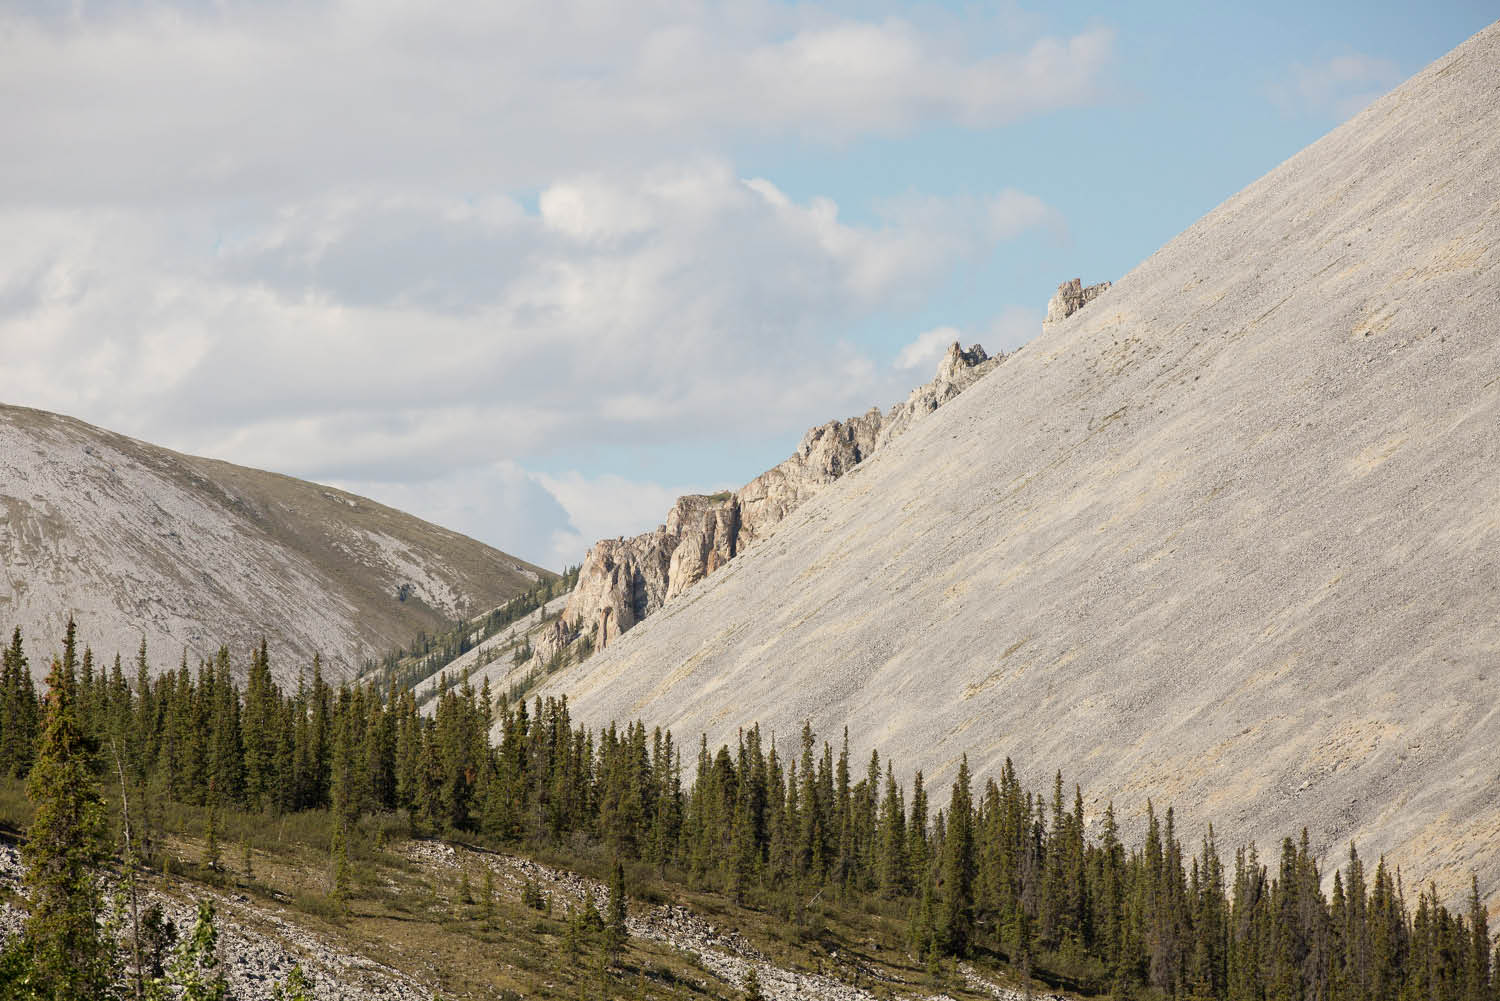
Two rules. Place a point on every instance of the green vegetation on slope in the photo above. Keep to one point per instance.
(1008, 875)
(409, 666)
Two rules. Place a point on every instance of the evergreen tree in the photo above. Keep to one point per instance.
(614, 922)
(193, 974)
(894, 874)
(71, 957)
(752, 985)
(1013, 872)
(297, 986)
(916, 834)
(1478, 947)
(260, 732)
(18, 710)
(957, 923)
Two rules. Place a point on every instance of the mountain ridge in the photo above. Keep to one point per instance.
(1225, 539)
(189, 553)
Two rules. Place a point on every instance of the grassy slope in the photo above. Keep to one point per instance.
(408, 911)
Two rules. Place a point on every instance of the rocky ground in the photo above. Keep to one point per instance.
(257, 946)
(725, 954)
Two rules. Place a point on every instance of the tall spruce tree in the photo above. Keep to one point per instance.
(614, 922)
(18, 710)
(71, 957)
(958, 867)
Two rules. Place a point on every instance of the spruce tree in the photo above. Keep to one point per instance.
(614, 924)
(193, 974)
(259, 732)
(957, 923)
(1478, 947)
(71, 957)
(297, 986)
(18, 710)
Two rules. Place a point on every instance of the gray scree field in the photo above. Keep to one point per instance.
(1228, 537)
(138, 541)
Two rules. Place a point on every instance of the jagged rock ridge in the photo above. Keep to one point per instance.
(1069, 298)
(624, 580)
(190, 553)
(1227, 539)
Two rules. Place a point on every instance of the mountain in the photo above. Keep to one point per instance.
(1227, 538)
(138, 541)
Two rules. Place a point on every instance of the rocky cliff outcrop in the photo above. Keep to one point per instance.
(1070, 298)
(624, 580)
(958, 370)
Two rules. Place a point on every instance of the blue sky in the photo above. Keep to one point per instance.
(531, 270)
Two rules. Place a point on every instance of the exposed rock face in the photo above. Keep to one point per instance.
(825, 453)
(190, 553)
(1070, 298)
(958, 370)
(708, 533)
(624, 580)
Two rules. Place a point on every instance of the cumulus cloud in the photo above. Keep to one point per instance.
(928, 347)
(382, 338)
(409, 249)
(1340, 87)
(170, 101)
(1013, 327)
(372, 333)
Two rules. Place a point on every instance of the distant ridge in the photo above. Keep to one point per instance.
(190, 553)
(1228, 538)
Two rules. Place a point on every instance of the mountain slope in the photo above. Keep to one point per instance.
(136, 540)
(1228, 538)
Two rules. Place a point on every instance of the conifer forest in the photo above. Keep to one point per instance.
(979, 868)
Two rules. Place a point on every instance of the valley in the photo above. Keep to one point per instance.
(1154, 656)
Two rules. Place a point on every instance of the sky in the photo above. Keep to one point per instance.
(531, 271)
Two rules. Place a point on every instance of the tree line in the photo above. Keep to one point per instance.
(429, 653)
(998, 869)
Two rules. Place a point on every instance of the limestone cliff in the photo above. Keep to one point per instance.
(1070, 298)
(624, 580)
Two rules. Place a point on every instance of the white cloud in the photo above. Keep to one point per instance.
(409, 248)
(273, 100)
(357, 332)
(607, 506)
(1013, 327)
(1341, 86)
(924, 352)
(382, 338)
